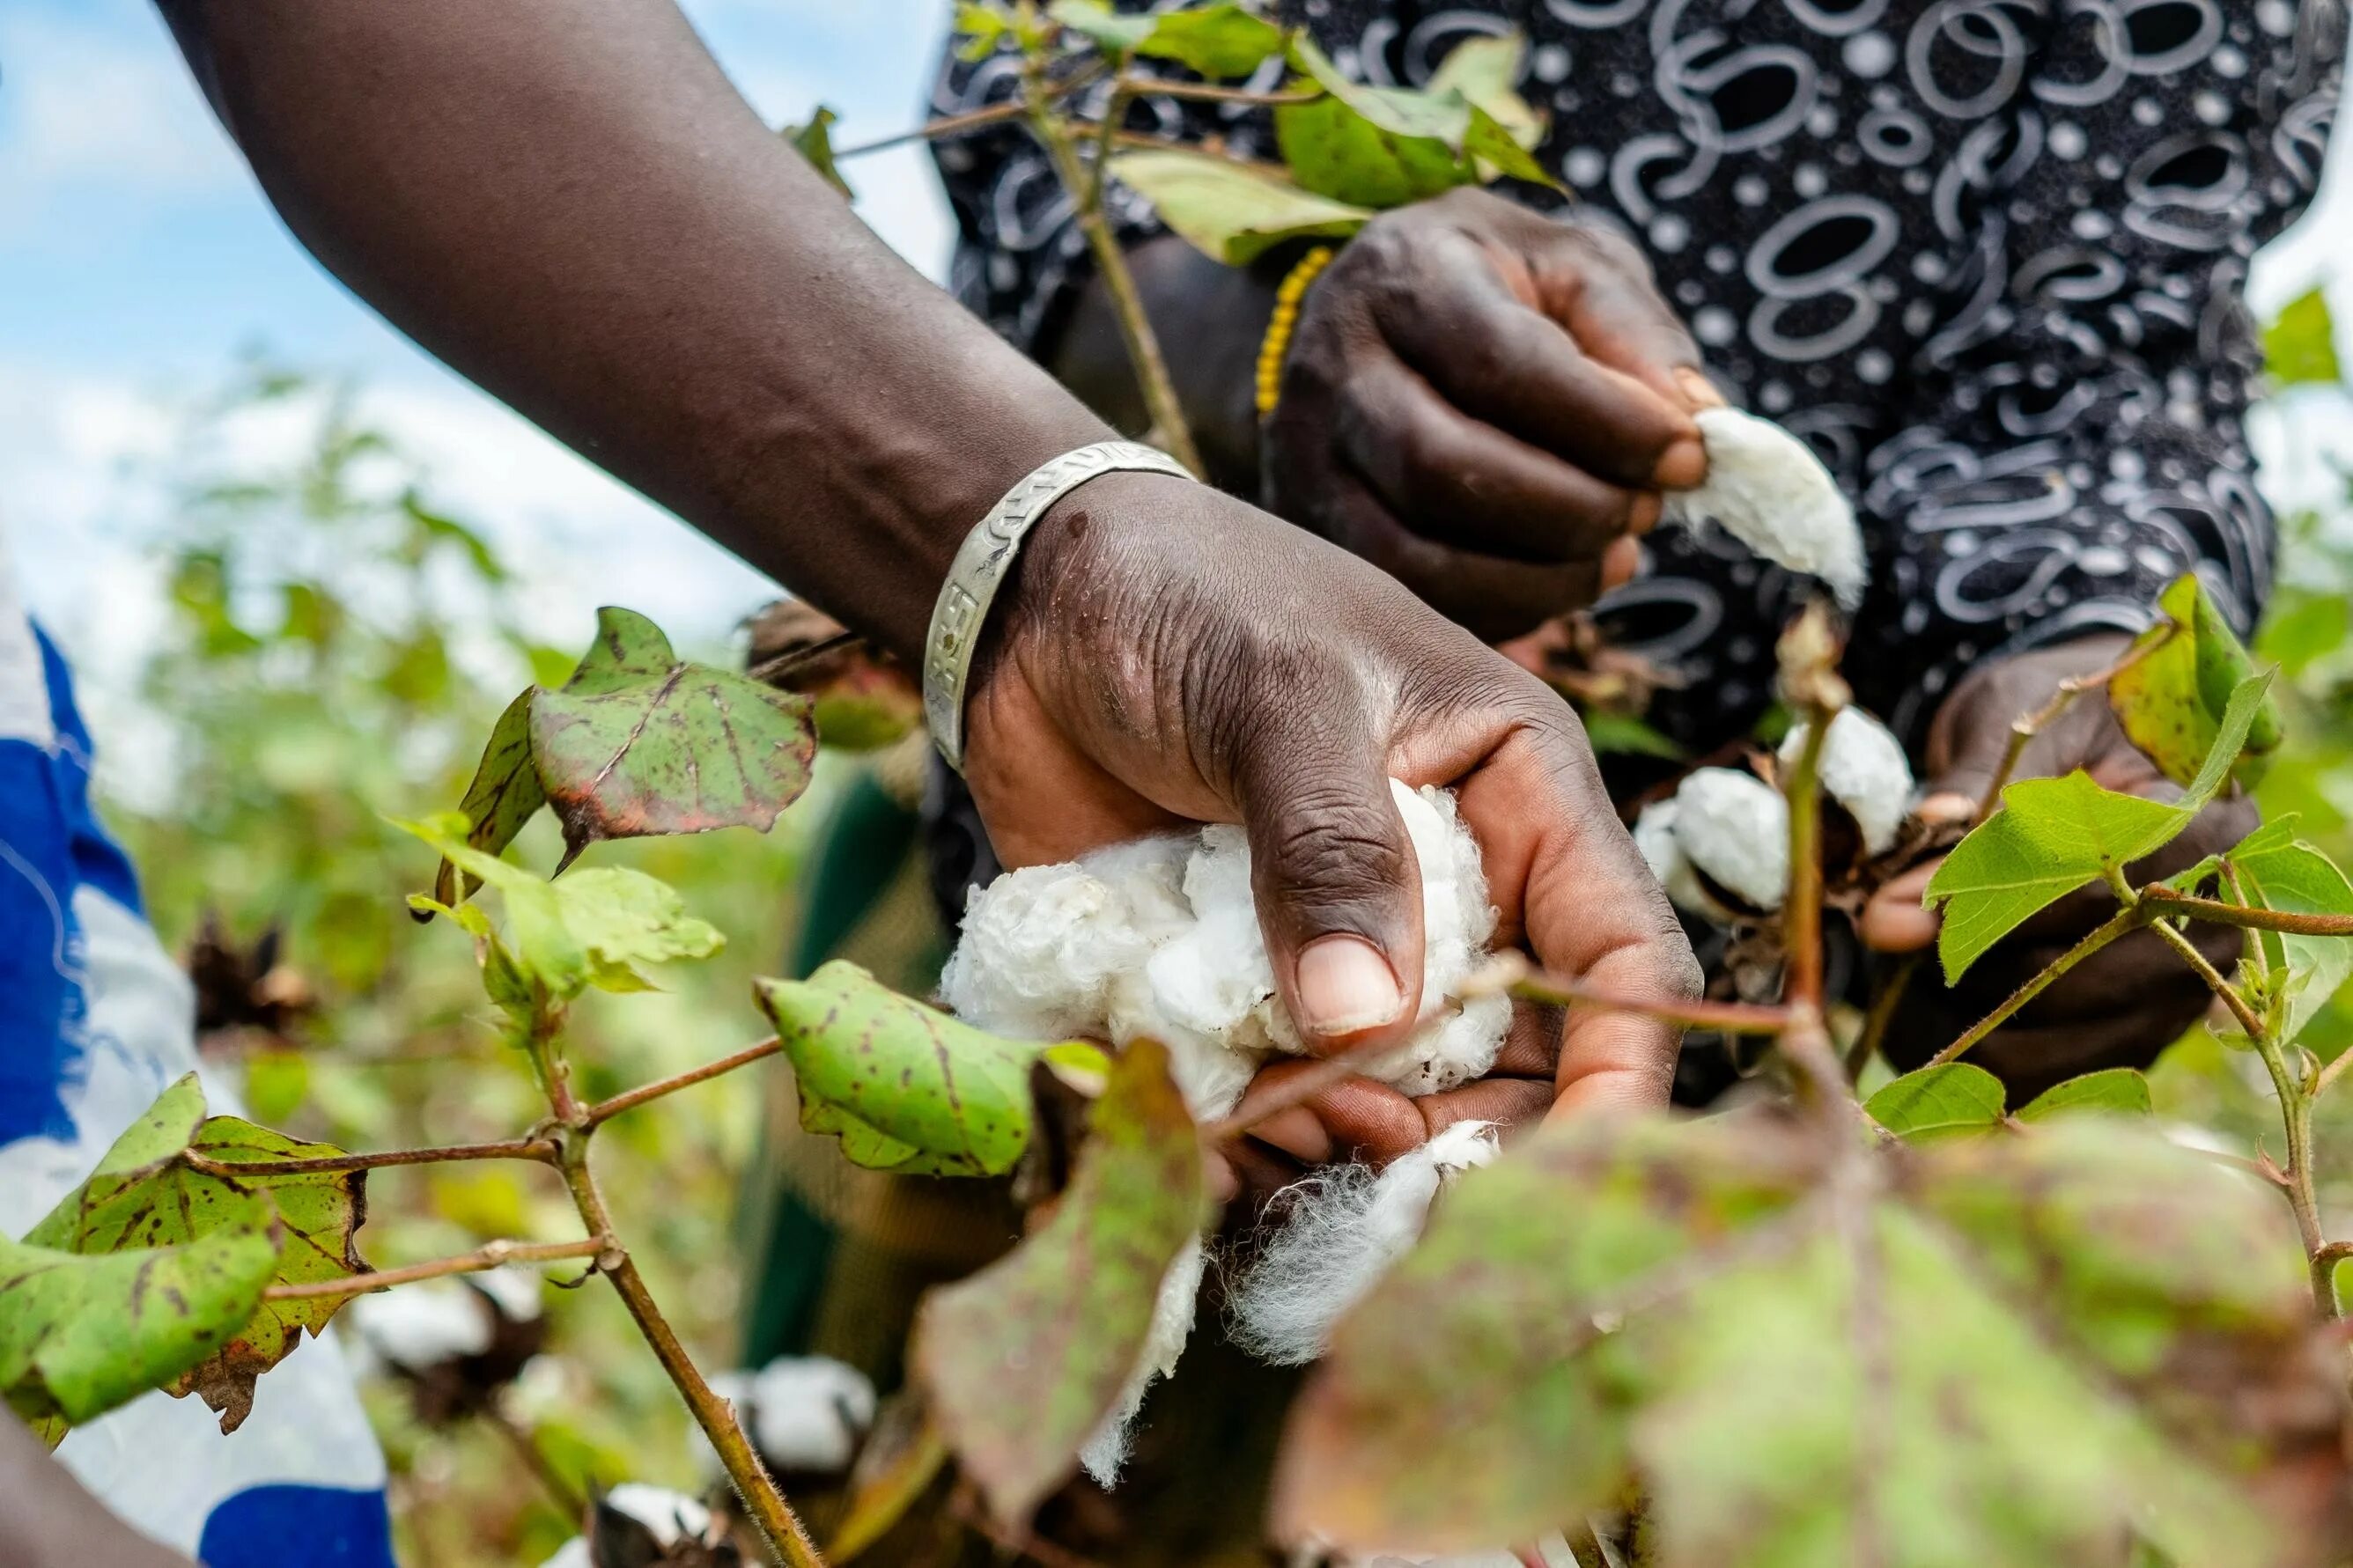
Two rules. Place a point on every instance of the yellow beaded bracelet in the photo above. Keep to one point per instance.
(1280, 326)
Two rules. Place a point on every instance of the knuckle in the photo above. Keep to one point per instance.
(1332, 844)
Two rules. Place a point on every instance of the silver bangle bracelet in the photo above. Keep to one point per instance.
(984, 558)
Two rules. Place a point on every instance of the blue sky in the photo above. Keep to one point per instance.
(137, 257)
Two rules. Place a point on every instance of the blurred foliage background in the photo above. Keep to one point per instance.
(337, 649)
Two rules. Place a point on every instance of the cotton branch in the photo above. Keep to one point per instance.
(491, 1255)
(2215, 912)
(2023, 728)
(606, 1109)
(2124, 920)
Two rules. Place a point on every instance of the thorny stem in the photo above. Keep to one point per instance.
(491, 1255)
(2023, 728)
(2214, 912)
(2123, 921)
(605, 1110)
(538, 1149)
(764, 1503)
(1169, 427)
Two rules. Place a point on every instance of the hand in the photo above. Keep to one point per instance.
(1167, 655)
(2127, 1003)
(1484, 402)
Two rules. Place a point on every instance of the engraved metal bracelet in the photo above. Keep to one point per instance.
(984, 558)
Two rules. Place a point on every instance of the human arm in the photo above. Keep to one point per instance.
(47, 1521)
(564, 199)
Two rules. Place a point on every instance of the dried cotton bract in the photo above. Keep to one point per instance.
(1767, 489)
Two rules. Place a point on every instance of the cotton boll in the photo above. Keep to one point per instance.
(1864, 770)
(804, 1413)
(1039, 946)
(1767, 489)
(1654, 835)
(1734, 828)
(419, 1326)
(1341, 1230)
(633, 1524)
(1164, 1343)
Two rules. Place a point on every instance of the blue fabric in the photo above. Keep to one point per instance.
(298, 1527)
(50, 844)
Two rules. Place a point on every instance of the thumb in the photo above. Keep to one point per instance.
(1338, 889)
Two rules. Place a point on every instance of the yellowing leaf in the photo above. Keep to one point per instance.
(904, 1087)
(1024, 1360)
(814, 142)
(2173, 701)
(1228, 212)
(146, 1196)
(2300, 344)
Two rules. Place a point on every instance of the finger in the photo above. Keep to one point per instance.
(1516, 368)
(1495, 599)
(1447, 476)
(1372, 1122)
(1562, 870)
(1894, 921)
(1338, 889)
(1620, 563)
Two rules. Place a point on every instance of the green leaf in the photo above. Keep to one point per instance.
(979, 28)
(2009, 1350)
(2300, 344)
(1230, 212)
(1498, 153)
(2053, 835)
(1219, 42)
(2172, 703)
(1371, 146)
(2280, 871)
(144, 1195)
(596, 926)
(2118, 1091)
(1485, 72)
(640, 743)
(1023, 1361)
(904, 1087)
(504, 794)
(1940, 1101)
(80, 1335)
(814, 142)
(1111, 31)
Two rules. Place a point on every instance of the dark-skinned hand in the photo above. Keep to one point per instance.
(1167, 655)
(2119, 1007)
(1485, 401)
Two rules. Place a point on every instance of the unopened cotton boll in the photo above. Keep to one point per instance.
(1734, 828)
(1767, 489)
(804, 1413)
(1342, 1229)
(1864, 770)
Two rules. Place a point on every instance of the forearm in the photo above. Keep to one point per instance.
(47, 1521)
(567, 201)
(1210, 320)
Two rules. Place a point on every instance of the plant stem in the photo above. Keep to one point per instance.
(490, 1255)
(2331, 1073)
(2123, 921)
(606, 1109)
(2214, 912)
(2222, 988)
(765, 1505)
(1169, 426)
(2296, 1117)
(1801, 910)
(1297, 1089)
(1884, 1002)
(2023, 728)
(560, 1492)
(952, 125)
(1208, 92)
(1724, 1018)
(538, 1149)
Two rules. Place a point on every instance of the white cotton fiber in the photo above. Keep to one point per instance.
(1341, 1230)
(1164, 1343)
(1654, 835)
(418, 1326)
(804, 1413)
(1160, 940)
(1735, 828)
(1767, 489)
(1864, 770)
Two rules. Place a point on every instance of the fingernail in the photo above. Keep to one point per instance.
(1297, 1133)
(1620, 563)
(1683, 465)
(1947, 806)
(1345, 986)
(1698, 389)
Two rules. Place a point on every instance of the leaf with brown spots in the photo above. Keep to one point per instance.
(2017, 1350)
(640, 743)
(504, 794)
(145, 1195)
(1024, 1360)
(904, 1087)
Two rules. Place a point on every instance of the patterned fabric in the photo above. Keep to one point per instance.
(1985, 255)
(95, 1021)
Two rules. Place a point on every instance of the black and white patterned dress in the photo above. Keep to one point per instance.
(1986, 255)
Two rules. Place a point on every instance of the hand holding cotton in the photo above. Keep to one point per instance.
(1767, 489)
